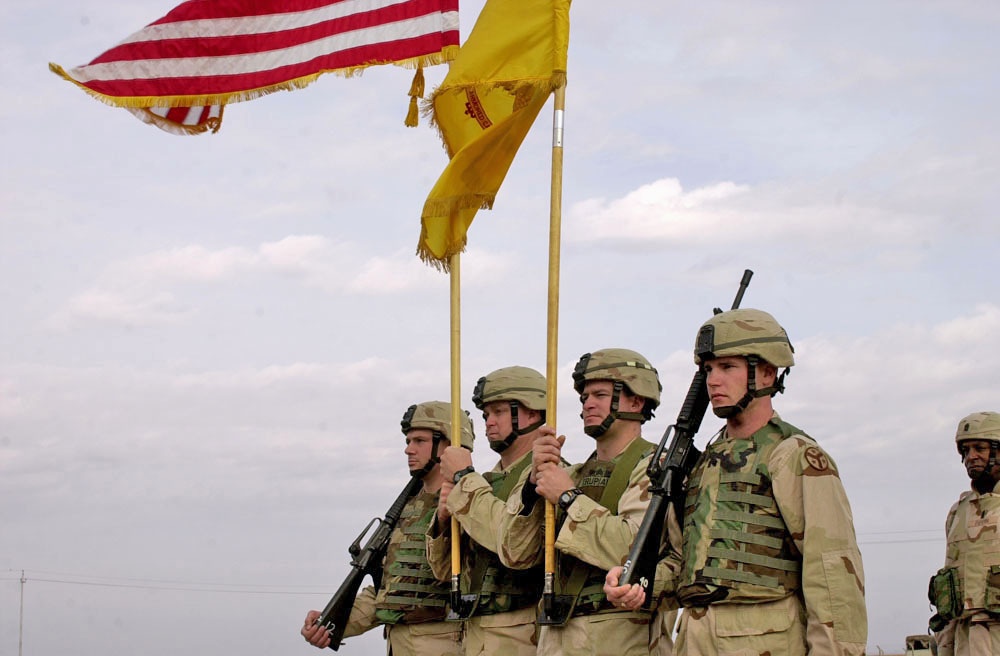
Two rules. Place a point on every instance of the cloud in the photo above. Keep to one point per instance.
(662, 215)
(156, 288)
(117, 307)
(11, 402)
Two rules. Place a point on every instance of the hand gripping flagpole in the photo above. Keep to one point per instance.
(552, 331)
(455, 277)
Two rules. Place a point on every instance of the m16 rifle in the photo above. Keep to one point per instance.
(364, 560)
(668, 471)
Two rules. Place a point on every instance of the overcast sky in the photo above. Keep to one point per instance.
(207, 342)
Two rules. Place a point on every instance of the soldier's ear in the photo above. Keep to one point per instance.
(630, 402)
(767, 373)
(529, 416)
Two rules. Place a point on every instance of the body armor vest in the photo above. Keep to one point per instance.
(974, 549)
(500, 589)
(411, 592)
(736, 545)
(598, 481)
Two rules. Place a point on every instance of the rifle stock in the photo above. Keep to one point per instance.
(364, 560)
(668, 471)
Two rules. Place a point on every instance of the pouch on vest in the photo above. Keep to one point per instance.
(993, 589)
(945, 593)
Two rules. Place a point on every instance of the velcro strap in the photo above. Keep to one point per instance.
(749, 518)
(416, 559)
(760, 500)
(411, 601)
(754, 559)
(747, 538)
(722, 574)
(753, 478)
(403, 586)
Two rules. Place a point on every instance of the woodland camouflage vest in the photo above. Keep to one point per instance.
(604, 482)
(736, 545)
(500, 589)
(412, 594)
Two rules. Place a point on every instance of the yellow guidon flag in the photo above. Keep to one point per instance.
(503, 74)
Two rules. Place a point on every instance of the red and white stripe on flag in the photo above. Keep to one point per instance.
(178, 72)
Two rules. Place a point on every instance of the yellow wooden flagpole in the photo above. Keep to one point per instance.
(552, 329)
(455, 277)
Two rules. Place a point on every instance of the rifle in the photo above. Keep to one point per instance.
(668, 476)
(364, 560)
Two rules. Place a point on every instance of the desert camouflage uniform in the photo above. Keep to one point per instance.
(504, 619)
(973, 530)
(410, 603)
(769, 563)
(589, 535)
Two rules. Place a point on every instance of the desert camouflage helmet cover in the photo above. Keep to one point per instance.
(622, 365)
(979, 426)
(436, 416)
(521, 384)
(744, 332)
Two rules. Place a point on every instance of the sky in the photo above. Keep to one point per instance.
(208, 342)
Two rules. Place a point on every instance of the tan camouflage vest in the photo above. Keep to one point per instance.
(736, 545)
(410, 592)
(974, 548)
(500, 589)
(593, 477)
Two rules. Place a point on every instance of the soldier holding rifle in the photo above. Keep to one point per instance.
(497, 604)
(601, 503)
(768, 560)
(410, 602)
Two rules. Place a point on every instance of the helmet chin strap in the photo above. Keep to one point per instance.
(515, 431)
(602, 428)
(433, 460)
(727, 411)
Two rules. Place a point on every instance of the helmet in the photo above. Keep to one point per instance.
(521, 384)
(516, 385)
(436, 416)
(623, 365)
(753, 334)
(744, 332)
(979, 426)
(625, 369)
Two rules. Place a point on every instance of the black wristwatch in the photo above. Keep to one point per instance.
(462, 472)
(567, 498)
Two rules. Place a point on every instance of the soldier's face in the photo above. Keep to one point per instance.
(976, 456)
(596, 401)
(419, 447)
(726, 379)
(499, 423)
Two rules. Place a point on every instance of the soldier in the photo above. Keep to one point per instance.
(966, 591)
(410, 602)
(768, 561)
(600, 506)
(499, 603)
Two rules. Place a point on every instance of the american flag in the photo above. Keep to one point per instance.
(180, 71)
